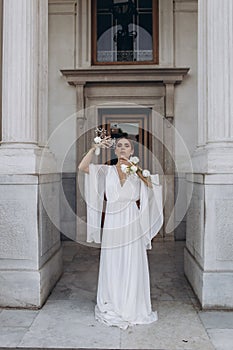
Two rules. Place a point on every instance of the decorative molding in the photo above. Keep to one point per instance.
(121, 74)
(212, 179)
(169, 100)
(186, 6)
(213, 158)
(80, 103)
(62, 7)
(83, 34)
(166, 33)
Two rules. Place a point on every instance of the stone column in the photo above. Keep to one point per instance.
(209, 242)
(43, 74)
(20, 72)
(30, 250)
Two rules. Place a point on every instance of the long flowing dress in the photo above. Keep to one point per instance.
(123, 294)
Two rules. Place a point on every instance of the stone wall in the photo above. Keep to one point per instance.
(69, 47)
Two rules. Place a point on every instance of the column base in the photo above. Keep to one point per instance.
(213, 158)
(212, 288)
(30, 246)
(30, 289)
(26, 159)
(208, 262)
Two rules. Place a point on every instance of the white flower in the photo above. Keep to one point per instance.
(134, 160)
(133, 168)
(97, 139)
(124, 168)
(145, 173)
(97, 151)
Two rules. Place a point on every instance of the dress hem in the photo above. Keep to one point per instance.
(112, 319)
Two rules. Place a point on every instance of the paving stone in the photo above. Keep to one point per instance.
(67, 319)
(64, 325)
(17, 318)
(221, 338)
(170, 332)
(11, 336)
(217, 319)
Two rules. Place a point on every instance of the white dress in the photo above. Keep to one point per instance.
(123, 294)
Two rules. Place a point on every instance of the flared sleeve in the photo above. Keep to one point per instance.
(151, 210)
(94, 196)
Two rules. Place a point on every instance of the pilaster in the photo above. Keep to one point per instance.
(30, 249)
(43, 74)
(215, 87)
(209, 240)
(20, 73)
(25, 88)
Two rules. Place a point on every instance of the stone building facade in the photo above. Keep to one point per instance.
(53, 91)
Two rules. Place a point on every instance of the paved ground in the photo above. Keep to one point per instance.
(67, 318)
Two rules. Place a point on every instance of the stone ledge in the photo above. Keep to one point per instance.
(210, 179)
(33, 179)
(213, 159)
(26, 161)
(124, 74)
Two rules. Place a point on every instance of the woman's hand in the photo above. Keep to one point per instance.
(124, 160)
(106, 142)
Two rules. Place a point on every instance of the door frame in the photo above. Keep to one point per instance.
(142, 116)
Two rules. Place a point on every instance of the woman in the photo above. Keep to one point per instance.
(123, 295)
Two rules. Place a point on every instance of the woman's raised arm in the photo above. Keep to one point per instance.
(84, 164)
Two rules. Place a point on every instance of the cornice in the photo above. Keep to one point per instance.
(124, 74)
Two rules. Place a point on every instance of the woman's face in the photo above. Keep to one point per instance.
(123, 148)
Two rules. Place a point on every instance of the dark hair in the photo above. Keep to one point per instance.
(127, 138)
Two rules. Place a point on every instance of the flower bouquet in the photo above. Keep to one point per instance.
(134, 168)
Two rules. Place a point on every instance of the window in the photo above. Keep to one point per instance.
(124, 32)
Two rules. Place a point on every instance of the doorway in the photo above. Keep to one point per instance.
(137, 124)
(133, 123)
